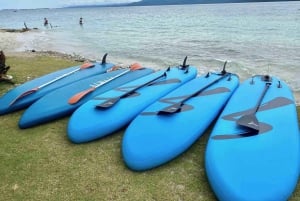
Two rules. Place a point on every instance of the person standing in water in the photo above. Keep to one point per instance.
(80, 21)
(45, 22)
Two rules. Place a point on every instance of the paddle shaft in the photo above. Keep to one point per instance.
(77, 97)
(132, 67)
(57, 78)
(250, 120)
(101, 83)
(143, 85)
(261, 97)
(203, 88)
(176, 106)
(110, 102)
(26, 93)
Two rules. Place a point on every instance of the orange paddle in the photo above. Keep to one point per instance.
(77, 97)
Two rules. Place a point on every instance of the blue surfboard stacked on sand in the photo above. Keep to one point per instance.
(253, 152)
(24, 95)
(168, 127)
(56, 104)
(114, 109)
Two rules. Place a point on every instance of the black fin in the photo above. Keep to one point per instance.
(184, 66)
(224, 71)
(104, 59)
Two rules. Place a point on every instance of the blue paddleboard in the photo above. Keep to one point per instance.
(56, 104)
(253, 152)
(24, 95)
(100, 117)
(168, 127)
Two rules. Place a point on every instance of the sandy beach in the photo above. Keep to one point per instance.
(12, 45)
(9, 42)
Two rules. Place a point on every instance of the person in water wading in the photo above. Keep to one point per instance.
(80, 21)
(45, 22)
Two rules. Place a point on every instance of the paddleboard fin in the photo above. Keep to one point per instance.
(104, 59)
(223, 72)
(184, 66)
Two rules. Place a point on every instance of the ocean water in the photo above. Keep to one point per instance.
(256, 38)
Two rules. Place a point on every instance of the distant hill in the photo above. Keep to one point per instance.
(171, 2)
(179, 2)
(99, 5)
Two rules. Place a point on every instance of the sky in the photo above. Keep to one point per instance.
(28, 4)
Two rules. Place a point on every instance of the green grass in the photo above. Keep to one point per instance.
(41, 164)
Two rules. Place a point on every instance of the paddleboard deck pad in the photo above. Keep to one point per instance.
(253, 151)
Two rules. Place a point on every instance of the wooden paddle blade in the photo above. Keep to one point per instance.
(87, 65)
(77, 97)
(132, 67)
(170, 109)
(135, 66)
(249, 121)
(109, 103)
(115, 67)
(26, 93)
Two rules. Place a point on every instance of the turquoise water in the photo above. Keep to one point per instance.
(256, 38)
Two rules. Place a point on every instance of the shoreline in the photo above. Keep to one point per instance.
(11, 44)
(17, 30)
(34, 53)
